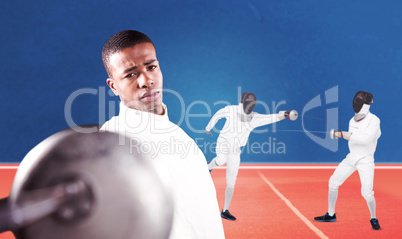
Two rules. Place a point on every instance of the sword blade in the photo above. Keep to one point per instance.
(304, 131)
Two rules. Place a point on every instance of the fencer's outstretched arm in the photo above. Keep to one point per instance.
(224, 112)
(373, 131)
(282, 115)
(260, 119)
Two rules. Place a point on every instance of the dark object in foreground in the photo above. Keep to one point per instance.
(87, 185)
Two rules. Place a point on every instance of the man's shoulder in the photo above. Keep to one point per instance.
(255, 114)
(227, 107)
(110, 125)
(374, 118)
(231, 108)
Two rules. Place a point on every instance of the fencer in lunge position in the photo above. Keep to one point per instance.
(363, 134)
(240, 121)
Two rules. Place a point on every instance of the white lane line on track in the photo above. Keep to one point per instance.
(317, 231)
(9, 167)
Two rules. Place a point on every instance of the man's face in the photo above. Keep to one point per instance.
(136, 78)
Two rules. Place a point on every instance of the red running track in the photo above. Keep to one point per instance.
(262, 213)
(280, 201)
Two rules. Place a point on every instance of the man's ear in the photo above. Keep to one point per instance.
(110, 83)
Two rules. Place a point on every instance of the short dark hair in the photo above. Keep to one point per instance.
(119, 42)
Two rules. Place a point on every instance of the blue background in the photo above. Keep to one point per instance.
(281, 50)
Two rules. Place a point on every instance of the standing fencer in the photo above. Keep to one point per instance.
(240, 121)
(136, 78)
(363, 134)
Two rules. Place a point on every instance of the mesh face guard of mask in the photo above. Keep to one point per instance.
(249, 100)
(360, 99)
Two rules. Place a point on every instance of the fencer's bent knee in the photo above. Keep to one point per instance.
(333, 184)
(230, 186)
(230, 182)
(367, 192)
(220, 160)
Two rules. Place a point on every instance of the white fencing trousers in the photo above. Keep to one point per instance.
(364, 166)
(232, 160)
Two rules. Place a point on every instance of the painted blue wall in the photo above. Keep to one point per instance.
(283, 51)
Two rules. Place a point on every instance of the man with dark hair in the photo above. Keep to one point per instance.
(134, 75)
(120, 55)
(120, 41)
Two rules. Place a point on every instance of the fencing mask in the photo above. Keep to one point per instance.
(249, 100)
(361, 104)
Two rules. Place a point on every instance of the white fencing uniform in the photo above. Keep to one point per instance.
(196, 211)
(362, 145)
(234, 135)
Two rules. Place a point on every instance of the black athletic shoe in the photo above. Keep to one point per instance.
(326, 218)
(374, 224)
(226, 214)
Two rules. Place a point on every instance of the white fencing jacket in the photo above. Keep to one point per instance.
(196, 211)
(364, 137)
(236, 131)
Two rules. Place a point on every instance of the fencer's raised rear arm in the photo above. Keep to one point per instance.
(372, 132)
(260, 119)
(224, 112)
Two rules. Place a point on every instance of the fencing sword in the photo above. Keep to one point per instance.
(293, 115)
(331, 132)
